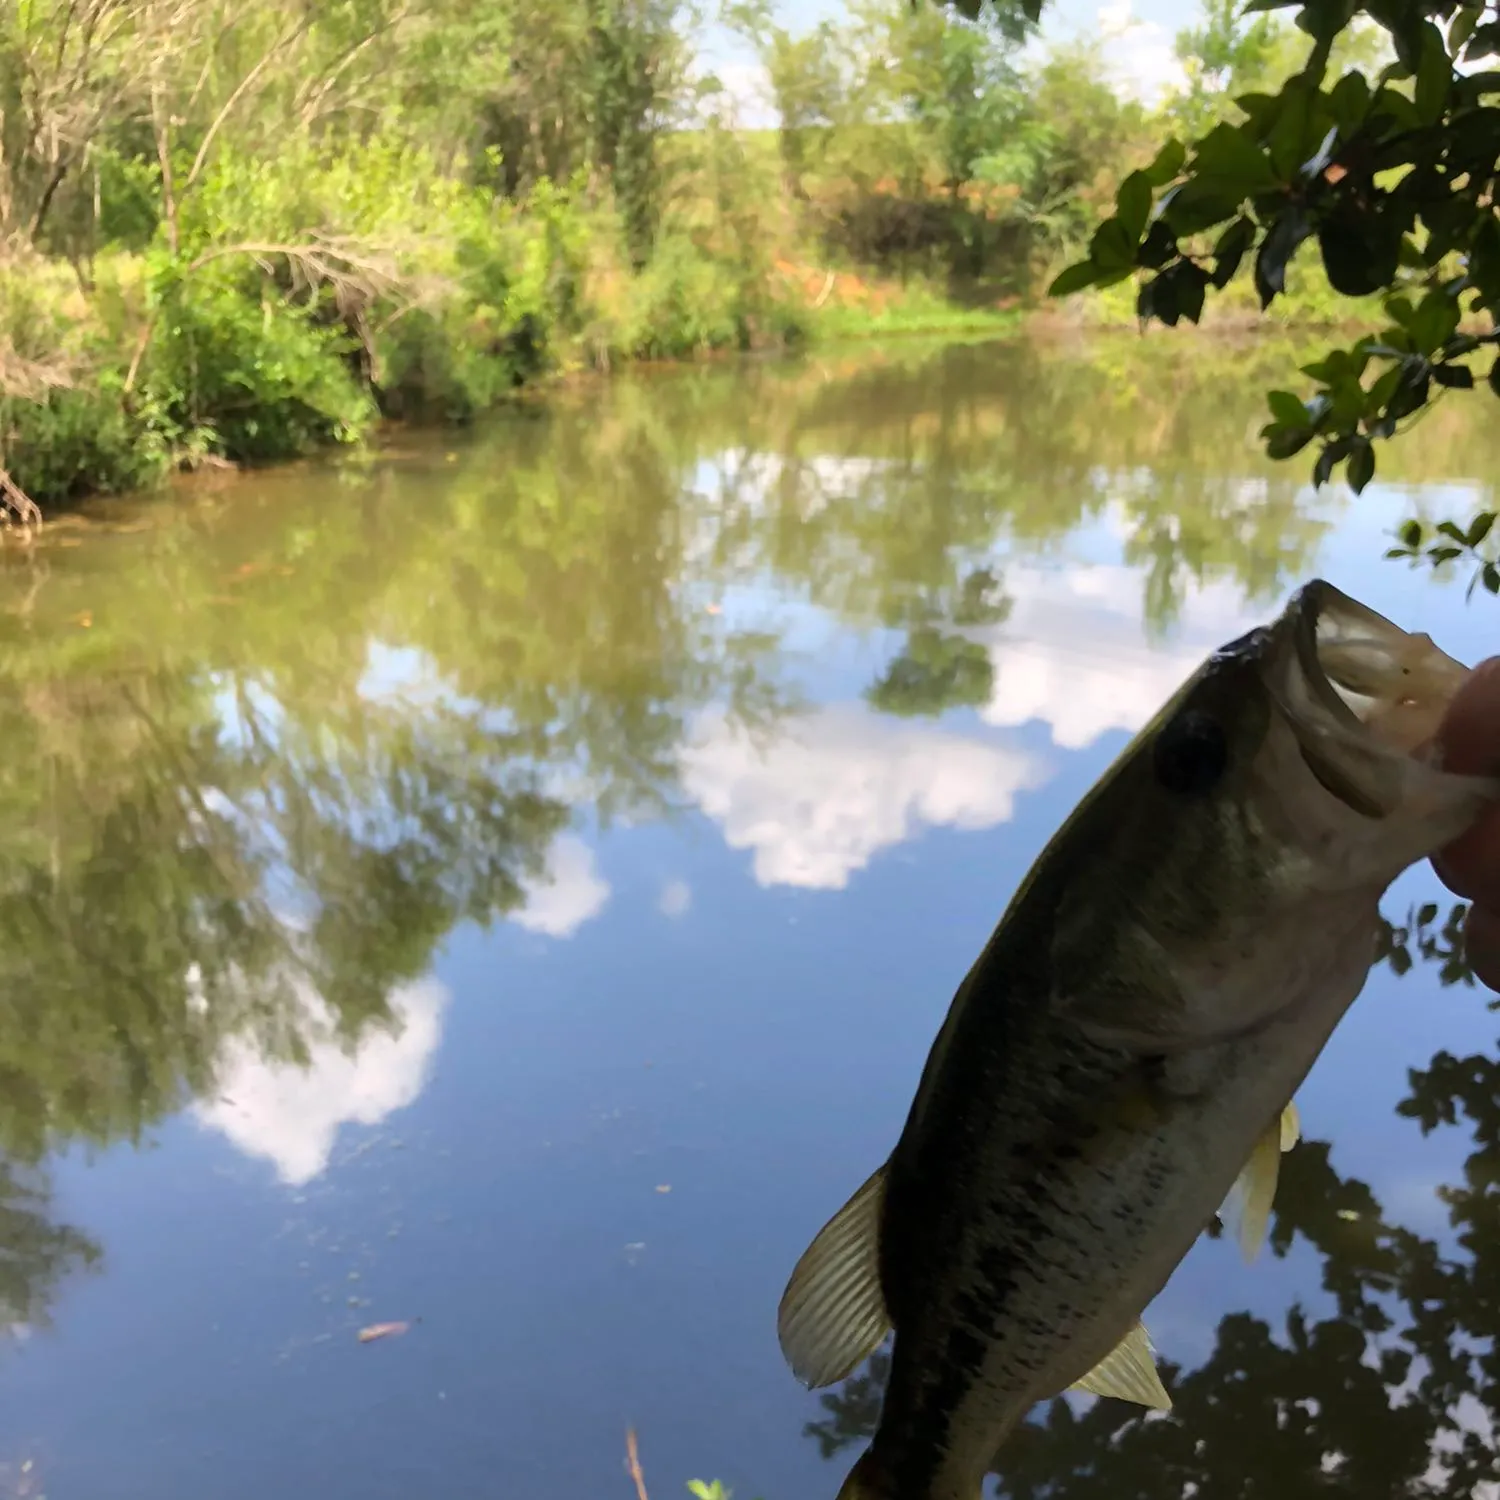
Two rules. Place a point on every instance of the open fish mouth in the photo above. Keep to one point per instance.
(1343, 672)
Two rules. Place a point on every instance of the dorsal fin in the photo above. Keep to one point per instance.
(1247, 1209)
(1128, 1373)
(833, 1313)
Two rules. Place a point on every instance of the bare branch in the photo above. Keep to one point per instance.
(162, 128)
(15, 500)
(240, 89)
(32, 379)
(309, 106)
(356, 273)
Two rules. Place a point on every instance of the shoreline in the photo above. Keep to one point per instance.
(1045, 323)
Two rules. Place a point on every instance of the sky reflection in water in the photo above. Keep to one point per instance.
(744, 700)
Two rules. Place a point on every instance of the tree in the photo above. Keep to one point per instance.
(1389, 179)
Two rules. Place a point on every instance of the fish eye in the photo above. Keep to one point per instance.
(1191, 753)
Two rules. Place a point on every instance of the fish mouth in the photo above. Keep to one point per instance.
(1365, 673)
(1362, 695)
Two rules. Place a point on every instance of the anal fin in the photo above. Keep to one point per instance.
(1128, 1373)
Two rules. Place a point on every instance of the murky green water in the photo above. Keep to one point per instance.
(510, 887)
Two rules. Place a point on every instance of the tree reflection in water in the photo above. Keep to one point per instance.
(1394, 1398)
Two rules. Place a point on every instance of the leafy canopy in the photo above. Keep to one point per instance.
(1389, 177)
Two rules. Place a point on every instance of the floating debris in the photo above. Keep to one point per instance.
(633, 1464)
(663, 1187)
(382, 1331)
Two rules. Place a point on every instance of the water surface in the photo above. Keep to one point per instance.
(509, 885)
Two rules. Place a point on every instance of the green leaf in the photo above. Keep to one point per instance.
(1485, 42)
(1361, 248)
(1287, 141)
(1166, 164)
(1394, 109)
(1133, 205)
(1113, 246)
(1491, 576)
(1411, 533)
(1479, 528)
(1233, 161)
(1484, 257)
(1455, 377)
(1283, 442)
(1349, 99)
(1287, 408)
(1434, 321)
(1230, 250)
(1073, 278)
(1261, 110)
(1361, 468)
(1494, 377)
(1192, 282)
(1278, 247)
(1434, 75)
(1411, 390)
(1197, 205)
(1399, 309)
(1462, 27)
(1444, 554)
(1159, 247)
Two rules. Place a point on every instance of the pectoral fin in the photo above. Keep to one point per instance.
(1247, 1209)
(1128, 1373)
(833, 1311)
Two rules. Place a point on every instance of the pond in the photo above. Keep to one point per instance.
(507, 885)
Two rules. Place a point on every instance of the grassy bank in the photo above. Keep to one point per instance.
(356, 294)
(237, 243)
(303, 307)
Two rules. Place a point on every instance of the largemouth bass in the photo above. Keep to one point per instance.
(1119, 1063)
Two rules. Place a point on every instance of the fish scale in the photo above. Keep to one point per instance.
(1120, 1060)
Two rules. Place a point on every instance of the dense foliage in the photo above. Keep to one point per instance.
(1388, 176)
(241, 232)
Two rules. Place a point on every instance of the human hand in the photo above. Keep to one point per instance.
(1470, 865)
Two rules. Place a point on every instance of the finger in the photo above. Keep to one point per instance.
(1482, 944)
(1469, 738)
(1470, 732)
(1470, 865)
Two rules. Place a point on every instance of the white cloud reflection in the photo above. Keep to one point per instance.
(1075, 654)
(291, 1115)
(818, 802)
(569, 892)
(675, 899)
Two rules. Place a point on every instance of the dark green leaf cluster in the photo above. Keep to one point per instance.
(1390, 179)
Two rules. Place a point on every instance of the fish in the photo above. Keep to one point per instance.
(1119, 1065)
